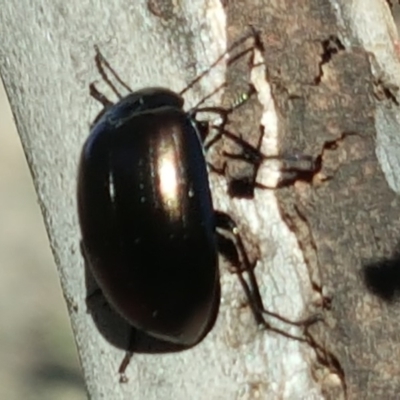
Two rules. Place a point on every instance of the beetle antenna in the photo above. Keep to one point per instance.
(101, 64)
(251, 33)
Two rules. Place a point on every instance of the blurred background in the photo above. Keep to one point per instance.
(38, 355)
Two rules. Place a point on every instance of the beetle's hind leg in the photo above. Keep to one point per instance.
(132, 331)
(233, 249)
(128, 356)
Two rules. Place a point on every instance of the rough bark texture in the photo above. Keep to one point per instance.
(326, 75)
(331, 93)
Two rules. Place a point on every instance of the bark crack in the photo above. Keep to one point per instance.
(330, 47)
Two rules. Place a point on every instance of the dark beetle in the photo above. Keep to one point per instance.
(146, 216)
(149, 230)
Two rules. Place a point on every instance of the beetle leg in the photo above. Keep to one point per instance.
(128, 356)
(223, 112)
(296, 166)
(96, 291)
(240, 261)
(100, 97)
(218, 171)
(132, 333)
(205, 98)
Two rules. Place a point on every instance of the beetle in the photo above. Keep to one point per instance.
(146, 216)
(149, 229)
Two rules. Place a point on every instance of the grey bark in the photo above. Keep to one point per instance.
(325, 86)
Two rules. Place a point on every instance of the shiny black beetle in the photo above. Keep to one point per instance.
(146, 216)
(149, 230)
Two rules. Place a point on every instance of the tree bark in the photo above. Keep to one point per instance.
(326, 76)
